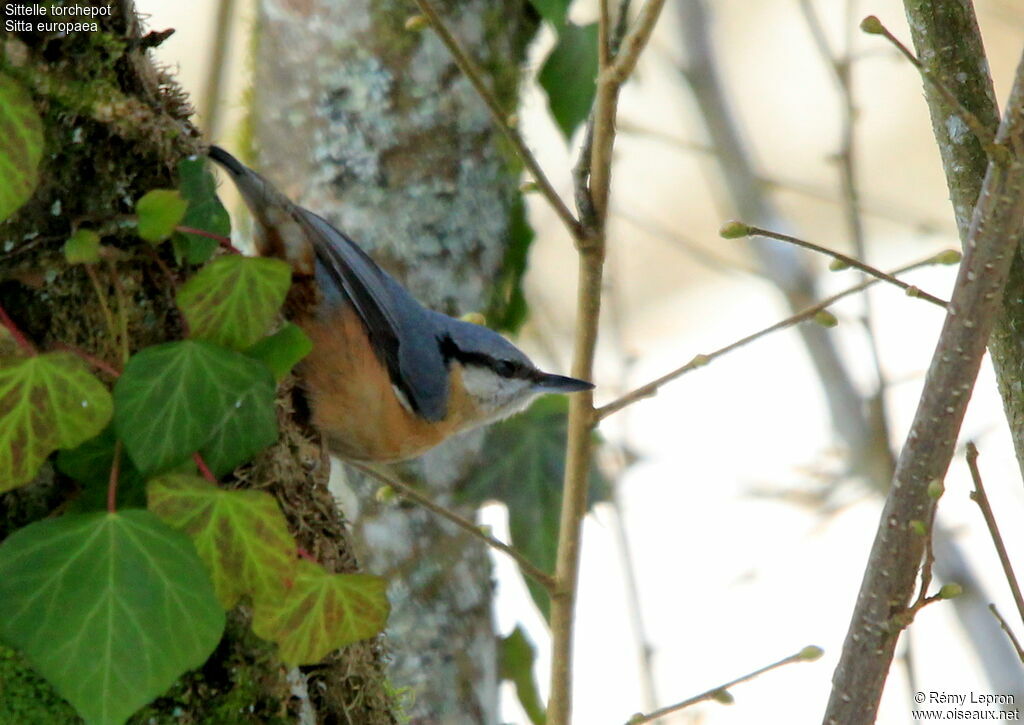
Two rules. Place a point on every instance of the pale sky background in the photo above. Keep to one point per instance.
(730, 581)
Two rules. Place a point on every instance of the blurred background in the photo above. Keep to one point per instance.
(740, 527)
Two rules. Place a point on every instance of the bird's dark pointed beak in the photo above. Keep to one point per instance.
(549, 383)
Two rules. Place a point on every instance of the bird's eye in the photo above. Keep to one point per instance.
(504, 368)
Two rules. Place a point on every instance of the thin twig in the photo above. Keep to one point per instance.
(979, 497)
(635, 40)
(91, 359)
(221, 240)
(649, 389)
(16, 333)
(842, 69)
(807, 654)
(216, 66)
(910, 289)
(873, 25)
(108, 317)
(404, 489)
(115, 472)
(204, 469)
(1009, 632)
(475, 75)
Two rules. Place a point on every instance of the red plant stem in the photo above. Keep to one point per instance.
(96, 362)
(303, 554)
(203, 468)
(115, 473)
(16, 333)
(223, 241)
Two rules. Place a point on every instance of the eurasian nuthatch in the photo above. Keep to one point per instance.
(387, 378)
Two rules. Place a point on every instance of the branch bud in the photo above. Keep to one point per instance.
(416, 23)
(810, 653)
(872, 25)
(734, 230)
(950, 591)
(825, 318)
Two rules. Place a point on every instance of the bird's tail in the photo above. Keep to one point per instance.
(278, 232)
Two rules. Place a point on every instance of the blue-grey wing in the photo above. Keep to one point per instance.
(401, 330)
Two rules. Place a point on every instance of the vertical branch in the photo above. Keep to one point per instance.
(947, 42)
(895, 556)
(612, 74)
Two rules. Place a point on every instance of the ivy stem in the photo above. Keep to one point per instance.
(222, 241)
(203, 468)
(108, 317)
(91, 359)
(16, 333)
(303, 554)
(115, 473)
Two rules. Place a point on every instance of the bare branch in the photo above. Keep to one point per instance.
(873, 25)
(1009, 632)
(979, 497)
(404, 489)
(650, 389)
(721, 693)
(896, 554)
(472, 71)
(732, 230)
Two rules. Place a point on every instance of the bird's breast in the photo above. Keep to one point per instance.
(353, 400)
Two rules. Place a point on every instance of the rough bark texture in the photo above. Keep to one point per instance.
(883, 607)
(116, 127)
(948, 42)
(374, 127)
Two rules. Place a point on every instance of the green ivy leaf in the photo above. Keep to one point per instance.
(234, 299)
(21, 146)
(90, 464)
(321, 612)
(82, 247)
(110, 608)
(569, 76)
(525, 473)
(181, 397)
(517, 658)
(47, 402)
(554, 11)
(159, 211)
(241, 536)
(205, 212)
(281, 351)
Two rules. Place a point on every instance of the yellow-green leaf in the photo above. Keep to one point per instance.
(321, 612)
(234, 299)
(241, 536)
(47, 402)
(21, 146)
(82, 247)
(159, 211)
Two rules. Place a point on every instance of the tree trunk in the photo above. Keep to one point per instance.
(115, 128)
(374, 127)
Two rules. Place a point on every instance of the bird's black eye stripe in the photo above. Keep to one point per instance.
(505, 368)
